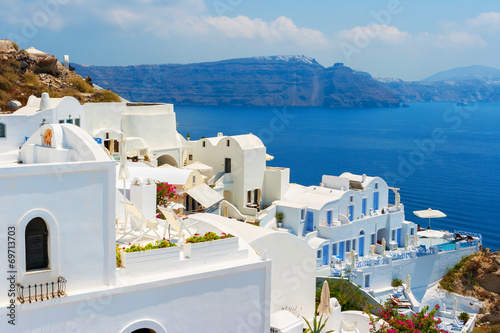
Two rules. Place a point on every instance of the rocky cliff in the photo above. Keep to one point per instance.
(31, 72)
(261, 81)
(478, 276)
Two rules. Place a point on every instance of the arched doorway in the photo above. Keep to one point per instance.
(361, 242)
(144, 330)
(167, 159)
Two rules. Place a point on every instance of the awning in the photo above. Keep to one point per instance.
(205, 195)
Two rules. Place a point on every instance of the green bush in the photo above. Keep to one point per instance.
(464, 316)
(105, 96)
(16, 47)
(150, 246)
(348, 295)
(396, 283)
(5, 84)
(81, 85)
(279, 216)
(208, 237)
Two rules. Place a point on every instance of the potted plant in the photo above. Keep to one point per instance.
(279, 217)
(210, 244)
(464, 316)
(160, 252)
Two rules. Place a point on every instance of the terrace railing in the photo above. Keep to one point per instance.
(473, 234)
(40, 292)
(425, 252)
(468, 244)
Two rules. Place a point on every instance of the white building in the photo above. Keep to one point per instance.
(240, 172)
(59, 219)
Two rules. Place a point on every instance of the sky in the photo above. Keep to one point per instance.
(407, 39)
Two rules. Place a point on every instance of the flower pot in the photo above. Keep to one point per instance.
(156, 257)
(211, 248)
(280, 224)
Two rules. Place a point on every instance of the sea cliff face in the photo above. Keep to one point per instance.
(261, 81)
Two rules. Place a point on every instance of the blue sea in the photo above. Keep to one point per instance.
(440, 155)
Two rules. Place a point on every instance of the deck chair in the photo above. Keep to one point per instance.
(178, 224)
(136, 225)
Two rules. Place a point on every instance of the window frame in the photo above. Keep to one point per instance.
(53, 270)
(3, 132)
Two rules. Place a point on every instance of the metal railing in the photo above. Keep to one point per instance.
(424, 252)
(40, 292)
(468, 244)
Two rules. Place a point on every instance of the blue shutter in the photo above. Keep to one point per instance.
(375, 200)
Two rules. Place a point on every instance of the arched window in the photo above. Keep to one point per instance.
(36, 242)
(3, 132)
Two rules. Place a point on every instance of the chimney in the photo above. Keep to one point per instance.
(45, 101)
(66, 61)
(363, 178)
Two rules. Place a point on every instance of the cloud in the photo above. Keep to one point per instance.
(454, 39)
(485, 22)
(281, 29)
(382, 33)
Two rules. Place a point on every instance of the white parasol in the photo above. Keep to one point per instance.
(429, 214)
(324, 305)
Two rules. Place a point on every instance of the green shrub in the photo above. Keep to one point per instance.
(31, 79)
(464, 316)
(81, 85)
(150, 246)
(208, 237)
(16, 47)
(105, 96)
(279, 216)
(396, 283)
(5, 84)
(348, 295)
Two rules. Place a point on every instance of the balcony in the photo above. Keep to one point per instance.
(40, 292)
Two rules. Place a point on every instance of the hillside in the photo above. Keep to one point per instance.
(475, 72)
(478, 276)
(25, 73)
(261, 81)
(473, 84)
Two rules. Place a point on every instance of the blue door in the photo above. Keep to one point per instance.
(351, 212)
(310, 221)
(341, 250)
(399, 237)
(326, 257)
(361, 250)
(375, 200)
(329, 218)
(364, 206)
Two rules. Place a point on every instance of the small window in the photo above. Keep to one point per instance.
(393, 236)
(77, 122)
(376, 186)
(412, 231)
(203, 144)
(107, 136)
(303, 214)
(194, 180)
(249, 196)
(373, 239)
(334, 249)
(227, 165)
(319, 254)
(36, 243)
(190, 157)
(352, 198)
(61, 121)
(347, 246)
(227, 143)
(3, 133)
(69, 121)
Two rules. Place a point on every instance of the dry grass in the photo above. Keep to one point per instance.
(104, 96)
(81, 85)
